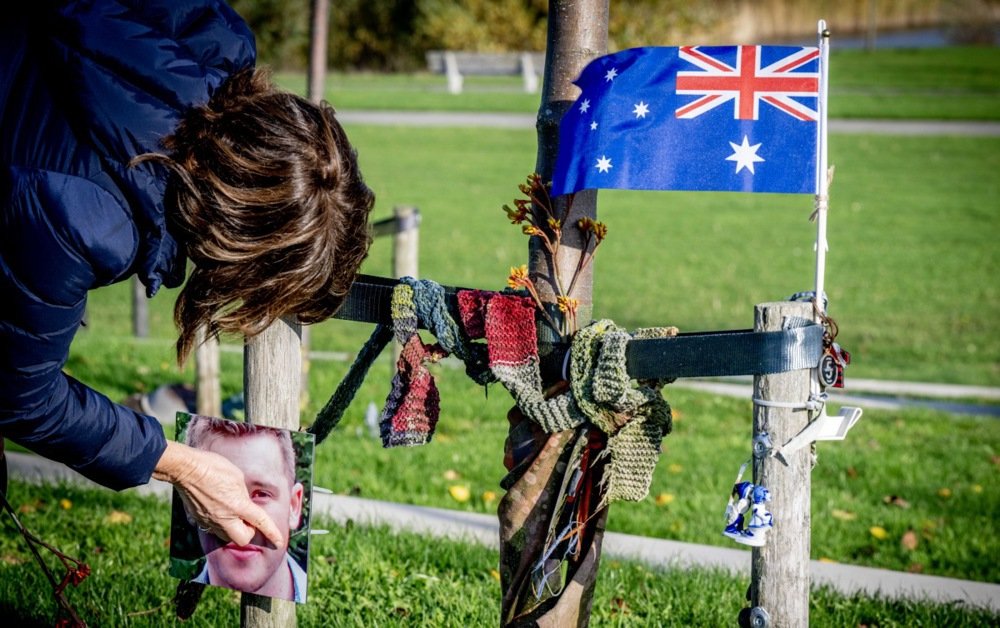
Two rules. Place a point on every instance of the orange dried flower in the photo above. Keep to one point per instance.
(567, 305)
(600, 230)
(518, 277)
(531, 230)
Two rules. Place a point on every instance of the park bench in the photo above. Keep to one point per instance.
(455, 65)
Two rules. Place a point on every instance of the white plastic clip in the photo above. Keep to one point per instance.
(823, 427)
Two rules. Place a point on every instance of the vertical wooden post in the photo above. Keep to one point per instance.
(405, 251)
(406, 241)
(271, 378)
(208, 394)
(319, 23)
(140, 310)
(780, 570)
(318, 33)
(871, 32)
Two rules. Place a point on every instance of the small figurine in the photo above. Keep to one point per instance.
(748, 498)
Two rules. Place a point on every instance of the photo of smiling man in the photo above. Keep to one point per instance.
(275, 471)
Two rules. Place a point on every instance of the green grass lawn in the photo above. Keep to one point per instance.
(365, 577)
(926, 83)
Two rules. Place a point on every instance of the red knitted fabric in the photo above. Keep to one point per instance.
(510, 330)
(507, 322)
(472, 311)
(412, 409)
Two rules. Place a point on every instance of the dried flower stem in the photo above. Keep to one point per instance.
(76, 570)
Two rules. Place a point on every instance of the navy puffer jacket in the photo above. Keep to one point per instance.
(84, 87)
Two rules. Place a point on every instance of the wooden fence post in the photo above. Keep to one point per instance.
(272, 370)
(140, 310)
(406, 241)
(319, 24)
(779, 588)
(318, 34)
(208, 393)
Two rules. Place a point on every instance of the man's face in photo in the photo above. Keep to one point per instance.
(258, 567)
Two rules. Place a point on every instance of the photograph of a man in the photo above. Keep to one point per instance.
(268, 460)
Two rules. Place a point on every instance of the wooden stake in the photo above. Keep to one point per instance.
(208, 394)
(140, 310)
(319, 29)
(271, 378)
(780, 570)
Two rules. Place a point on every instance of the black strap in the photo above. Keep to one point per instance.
(705, 354)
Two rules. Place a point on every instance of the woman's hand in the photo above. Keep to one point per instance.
(215, 494)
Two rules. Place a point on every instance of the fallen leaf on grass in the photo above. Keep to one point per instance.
(909, 540)
(674, 468)
(663, 499)
(977, 488)
(944, 492)
(878, 532)
(117, 517)
(30, 507)
(451, 475)
(489, 497)
(10, 559)
(895, 500)
(618, 605)
(825, 559)
(843, 515)
(495, 574)
(852, 472)
(459, 493)
(65, 504)
(915, 568)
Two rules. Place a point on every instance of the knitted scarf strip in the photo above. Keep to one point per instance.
(601, 392)
(635, 418)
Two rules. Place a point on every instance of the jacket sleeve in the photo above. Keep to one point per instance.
(48, 261)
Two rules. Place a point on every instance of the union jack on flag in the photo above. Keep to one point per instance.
(778, 84)
(724, 118)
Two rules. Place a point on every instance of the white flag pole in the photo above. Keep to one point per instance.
(822, 174)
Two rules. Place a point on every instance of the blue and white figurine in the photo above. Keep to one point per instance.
(748, 499)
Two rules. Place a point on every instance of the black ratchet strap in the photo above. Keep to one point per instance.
(700, 354)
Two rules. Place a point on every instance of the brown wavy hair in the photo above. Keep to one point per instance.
(269, 204)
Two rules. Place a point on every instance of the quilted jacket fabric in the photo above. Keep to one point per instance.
(84, 87)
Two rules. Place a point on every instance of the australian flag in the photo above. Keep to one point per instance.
(722, 118)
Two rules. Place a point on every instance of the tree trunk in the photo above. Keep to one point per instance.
(528, 512)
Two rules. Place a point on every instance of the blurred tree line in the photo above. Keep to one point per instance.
(394, 35)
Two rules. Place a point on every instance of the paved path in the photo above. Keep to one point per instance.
(884, 395)
(483, 530)
(527, 121)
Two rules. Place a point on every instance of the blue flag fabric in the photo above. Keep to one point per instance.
(726, 118)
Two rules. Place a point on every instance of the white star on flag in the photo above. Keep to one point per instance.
(610, 76)
(593, 125)
(585, 106)
(744, 155)
(603, 164)
(641, 109)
